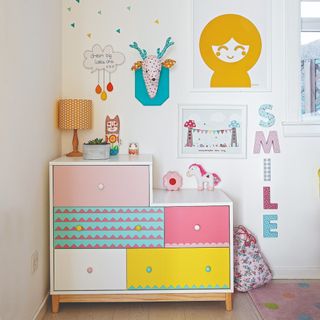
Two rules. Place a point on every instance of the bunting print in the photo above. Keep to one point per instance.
(212, 131)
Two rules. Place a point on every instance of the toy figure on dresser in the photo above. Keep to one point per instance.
(204, 179)
(112, 134)
(133, 149)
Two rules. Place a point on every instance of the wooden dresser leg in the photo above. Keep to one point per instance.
(229, 301)
(55, 303)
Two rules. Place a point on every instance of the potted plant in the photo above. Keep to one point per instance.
(96, 149)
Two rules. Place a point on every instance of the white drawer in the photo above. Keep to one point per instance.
(80, 270)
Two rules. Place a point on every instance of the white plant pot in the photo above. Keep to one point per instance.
(96, 151)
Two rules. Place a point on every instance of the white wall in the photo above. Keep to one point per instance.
(294, 181)
(30, 82)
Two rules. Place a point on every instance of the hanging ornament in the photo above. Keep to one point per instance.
(98, 89)
(110, 87)
(103, 96)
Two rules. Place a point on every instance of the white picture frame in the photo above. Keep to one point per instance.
(259, 12)
(217, 131)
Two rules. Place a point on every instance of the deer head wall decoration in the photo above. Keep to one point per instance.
(151, 66)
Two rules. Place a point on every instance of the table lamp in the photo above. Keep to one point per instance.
(74, 114)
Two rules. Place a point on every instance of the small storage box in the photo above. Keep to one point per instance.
(96, 152)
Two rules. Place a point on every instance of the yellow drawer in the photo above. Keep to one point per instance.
(200, 268)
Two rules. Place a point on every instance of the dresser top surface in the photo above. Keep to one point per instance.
(121, 159)
(185, 197)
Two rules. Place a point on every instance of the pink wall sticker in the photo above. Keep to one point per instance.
(267, 204)
(271, 142)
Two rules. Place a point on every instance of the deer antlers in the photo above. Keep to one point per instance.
(143, 53)
(168, 44)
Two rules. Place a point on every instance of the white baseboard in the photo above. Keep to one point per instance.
(42, 309)
(296, 273)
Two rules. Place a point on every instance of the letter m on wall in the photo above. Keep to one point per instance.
(271, 142)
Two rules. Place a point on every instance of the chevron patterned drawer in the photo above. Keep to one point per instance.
(183, 268)
(101, 228)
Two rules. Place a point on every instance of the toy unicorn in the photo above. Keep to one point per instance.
(204, 179)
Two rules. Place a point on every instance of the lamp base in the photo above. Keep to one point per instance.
(74, 154)
(75, 142)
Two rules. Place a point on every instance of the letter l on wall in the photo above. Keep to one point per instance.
(267, 204)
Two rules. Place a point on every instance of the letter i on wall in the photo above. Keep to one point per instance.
(267, 170)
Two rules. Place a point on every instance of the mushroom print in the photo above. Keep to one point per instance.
(234, 125)
(190, 125)
(192, 128)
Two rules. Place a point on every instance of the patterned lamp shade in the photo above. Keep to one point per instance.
(74, 114)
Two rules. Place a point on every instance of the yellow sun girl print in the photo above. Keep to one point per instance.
(230, 45)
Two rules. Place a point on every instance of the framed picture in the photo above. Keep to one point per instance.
(212, 131)
(232, 45)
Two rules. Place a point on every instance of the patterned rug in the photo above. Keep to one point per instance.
(288, 301)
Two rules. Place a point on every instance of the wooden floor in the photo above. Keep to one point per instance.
(243, 310)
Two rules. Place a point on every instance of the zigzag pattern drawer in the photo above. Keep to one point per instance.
(101, 228)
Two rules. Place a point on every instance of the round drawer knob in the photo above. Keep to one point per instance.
(138, 228)
(79, 228)
(149, 269)
(208, 269)
(89, 270)
(100, 186)
(197, 227)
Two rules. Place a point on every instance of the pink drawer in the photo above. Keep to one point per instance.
(101, 186)
(197, 226)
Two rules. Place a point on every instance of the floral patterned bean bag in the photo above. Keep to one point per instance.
(250, 269)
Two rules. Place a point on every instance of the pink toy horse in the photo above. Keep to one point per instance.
(204, 178)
